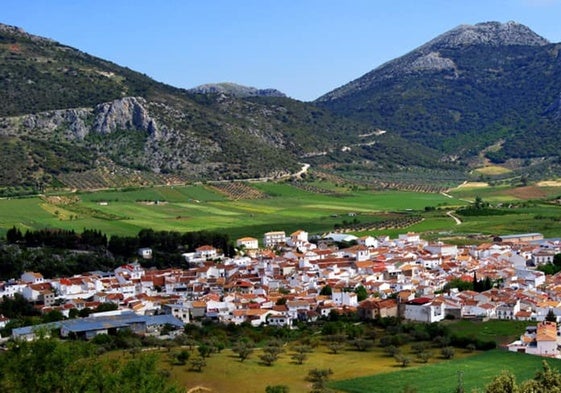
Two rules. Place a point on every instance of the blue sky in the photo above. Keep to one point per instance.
(304, 48)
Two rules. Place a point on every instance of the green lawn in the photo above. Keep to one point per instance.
(475, 372)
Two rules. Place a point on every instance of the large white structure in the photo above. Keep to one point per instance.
(272, 239)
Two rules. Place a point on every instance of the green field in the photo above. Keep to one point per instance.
(192, 208)
(288, 208)
(475, 372)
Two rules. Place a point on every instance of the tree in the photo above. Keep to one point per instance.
(447, 352)
(319, 379)
(198, 363)
(503, 383)
(277, 389)
(299, 357)
(551, 317)
(424, 356)
(402, 359)
(361, 293)
(336, 346)
(243, 348)
(268, 358)
(391, 350)
(182, 357)
(325, 291)
(205, 350)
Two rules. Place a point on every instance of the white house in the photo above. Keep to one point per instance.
(272, 239)
(368, 241)
(440, 248)
(249, 243)
(424, 310)
(298, 238)
(342, 298)
(538, 340)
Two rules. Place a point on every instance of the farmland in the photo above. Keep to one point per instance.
(225, 373)
(250, 209)
(475, 372)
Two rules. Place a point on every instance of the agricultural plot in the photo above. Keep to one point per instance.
(199, 207)
(238, 190)
(475, 372)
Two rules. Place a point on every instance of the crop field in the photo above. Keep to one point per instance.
(492, 170)
(474, 371)
(283, 207)
(192, 208)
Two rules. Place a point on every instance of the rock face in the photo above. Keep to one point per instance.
(128, 113)
(125, 114)
(235, 90)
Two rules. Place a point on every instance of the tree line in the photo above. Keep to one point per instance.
(61, 252)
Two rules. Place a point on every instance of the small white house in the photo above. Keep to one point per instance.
(249, 243)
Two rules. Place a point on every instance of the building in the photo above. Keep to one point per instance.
(249, 243)
(273, 239)
(538, 340)
(102, 323)
(519, 238)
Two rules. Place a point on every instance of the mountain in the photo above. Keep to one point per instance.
(69, 119)
(235, 90)
(492, 89)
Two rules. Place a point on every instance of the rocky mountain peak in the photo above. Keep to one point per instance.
(487, 33)
(18, 31)
(235, 90)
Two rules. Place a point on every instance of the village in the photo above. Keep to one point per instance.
(288, 279)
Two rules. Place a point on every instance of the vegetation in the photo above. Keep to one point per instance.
(47, 365)
(475, 373)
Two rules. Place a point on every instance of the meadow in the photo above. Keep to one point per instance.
(225, 373)
(474, 372)
(283, 207)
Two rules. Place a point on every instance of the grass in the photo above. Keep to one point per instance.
(225, 373)
(492, 170)
(500, 331)
(194, 208)
(475, 371)
(197, 207)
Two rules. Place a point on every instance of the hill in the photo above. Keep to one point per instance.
(69, 119)
(483, 92)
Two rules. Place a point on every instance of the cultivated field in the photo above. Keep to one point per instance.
(282, 206)
(474, 371)
(192, 208)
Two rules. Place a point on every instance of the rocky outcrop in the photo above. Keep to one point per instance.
(235, 90)
(488, 33)
(127, 113)
(432, 61)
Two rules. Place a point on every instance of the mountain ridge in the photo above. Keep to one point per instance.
(465, 91)
(68, 117)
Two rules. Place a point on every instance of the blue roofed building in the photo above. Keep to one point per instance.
(103, 323)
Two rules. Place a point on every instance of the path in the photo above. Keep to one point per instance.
(455, 218)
